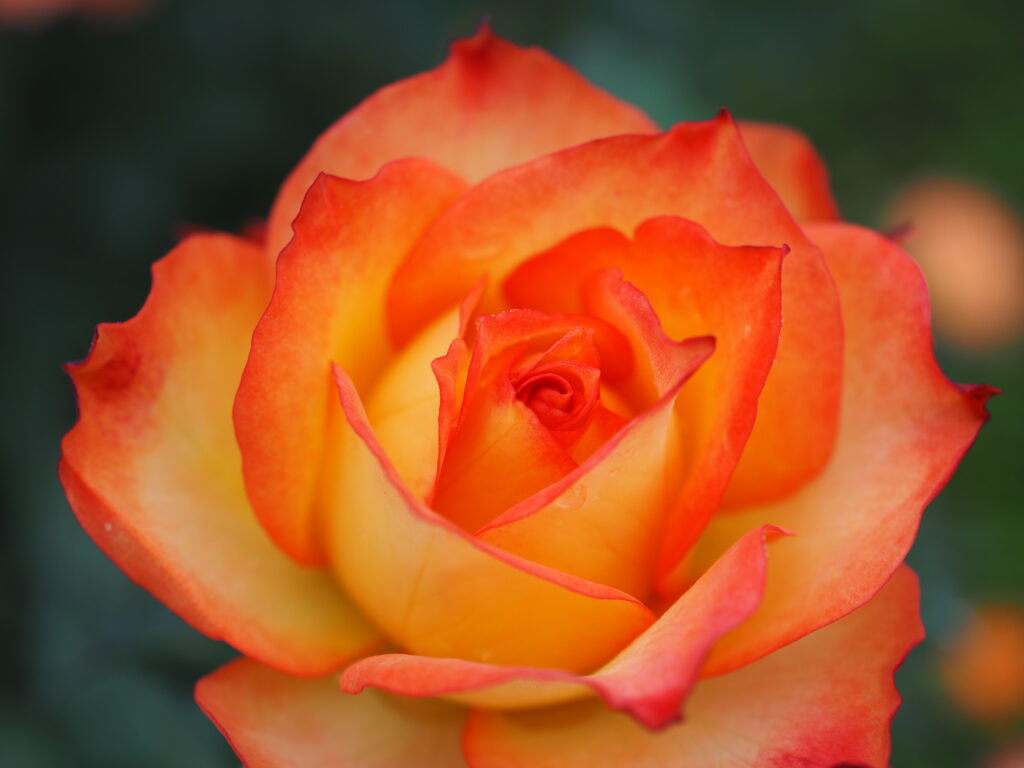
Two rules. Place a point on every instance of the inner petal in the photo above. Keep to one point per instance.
(563, 396)
(531, 410)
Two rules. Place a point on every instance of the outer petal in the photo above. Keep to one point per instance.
(697, 287)
(437, 591)
(491, 105)
(904, 429)
(153, 472)
(276, 721)
(699, 171)
(823, 702)
(791, 165)
(649, 679)
(327, 305)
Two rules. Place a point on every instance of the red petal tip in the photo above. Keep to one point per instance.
(901, 233)
(980, 394)
(482, 39)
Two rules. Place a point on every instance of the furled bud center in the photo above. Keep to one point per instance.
(563, 395)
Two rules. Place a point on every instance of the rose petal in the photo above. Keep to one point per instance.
(490, 106)
(153, 472)
(498, 438)
(904, 429)
(497, 434)
(604, 521)
(451, 371)
(406, 401)
(649, 679)
(700, 171)
(276, 721)
(789, 162)
(327, 305)
(437, 591)
(403, 407)
(824, 701)
(697, 287)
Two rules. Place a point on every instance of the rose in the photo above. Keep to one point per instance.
(509, 430)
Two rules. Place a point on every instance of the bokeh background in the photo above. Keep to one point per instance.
(118, 133)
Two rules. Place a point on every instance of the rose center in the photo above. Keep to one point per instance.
(562, 395)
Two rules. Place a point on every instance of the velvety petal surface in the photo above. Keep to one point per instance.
(490, 106)
(435, 590)
(154, 475)
(328, 305)
(788, 160)
(700, 171)
(904, 428)
(648, 680)
(826, 700)
(276, 721)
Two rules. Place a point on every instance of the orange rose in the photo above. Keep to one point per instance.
(511, 444)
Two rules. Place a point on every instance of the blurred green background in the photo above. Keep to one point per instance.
(115, 136)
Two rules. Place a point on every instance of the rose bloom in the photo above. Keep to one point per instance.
(558, 440)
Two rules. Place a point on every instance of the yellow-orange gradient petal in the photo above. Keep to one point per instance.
(824, 701)
(276, 721)
(406, 401)
(700, 171)
(789, 162)
(435, 590)
(490, 106)
(327, 305)
(649, 679)
(153, 472)
(697, 287)
(904, 428)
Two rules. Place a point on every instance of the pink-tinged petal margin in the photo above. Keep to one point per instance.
(698, 171)
(435, 590)
(824, 701)
(153, 473)
(328, 305)
(604, 520)
(904, 429)
(273, 720)
(490, 106)
(649, 679)
(697, 287)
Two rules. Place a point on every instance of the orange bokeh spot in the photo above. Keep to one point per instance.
(984, 668)
(971, 249)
